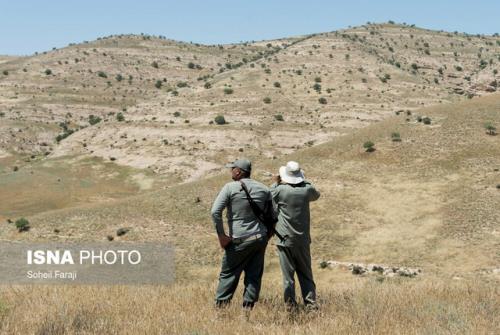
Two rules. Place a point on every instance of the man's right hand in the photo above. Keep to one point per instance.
(224, 240)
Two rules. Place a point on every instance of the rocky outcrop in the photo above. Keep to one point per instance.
(365, 269)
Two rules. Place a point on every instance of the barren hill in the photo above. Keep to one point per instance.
(276, 96)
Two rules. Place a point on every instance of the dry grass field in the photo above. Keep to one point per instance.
(427, 198)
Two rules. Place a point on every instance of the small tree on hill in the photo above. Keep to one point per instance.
(22, 225)
(369, 146)
(219, 119)
(490, 129)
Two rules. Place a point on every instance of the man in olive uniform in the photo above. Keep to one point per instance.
(246, 241)
(291, 194)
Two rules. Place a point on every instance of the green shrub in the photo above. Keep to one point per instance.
(65, 134)
(22, 225)
(228, 90)
(396, 137)
(267, 100)
(369, 146)
(177, 114)
(182, 84)
(279, 117)
(277, 84)
(490, 128)
(317, 87)
(317, 79)
(94, 119)
(458, 68)
(155, 64)
(207, 85)
(120, 117)
(102, 74)
(48, 72)
(158, 84)
(5, 72)
(219, 119)
(414, 66)
(385, 78)
(119, 77)
(191, 65)
(426, 120)
(322, 101)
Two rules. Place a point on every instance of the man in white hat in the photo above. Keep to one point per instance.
(292, 194)
(245, 244)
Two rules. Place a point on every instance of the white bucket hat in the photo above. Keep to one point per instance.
(291, 173)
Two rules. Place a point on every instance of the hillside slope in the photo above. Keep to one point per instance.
(430, 200)
(320, 85)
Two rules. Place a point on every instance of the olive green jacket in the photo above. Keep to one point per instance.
(294, 219)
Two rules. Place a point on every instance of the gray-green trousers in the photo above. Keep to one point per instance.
(297, 259)
(248, 257)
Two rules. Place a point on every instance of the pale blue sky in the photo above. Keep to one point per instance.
(27, 26)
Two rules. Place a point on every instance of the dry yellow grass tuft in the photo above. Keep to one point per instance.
(358, 307)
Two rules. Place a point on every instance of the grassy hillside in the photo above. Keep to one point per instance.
(429, 201)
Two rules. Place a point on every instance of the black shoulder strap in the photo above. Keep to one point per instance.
(255, 208)
(258, 212)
